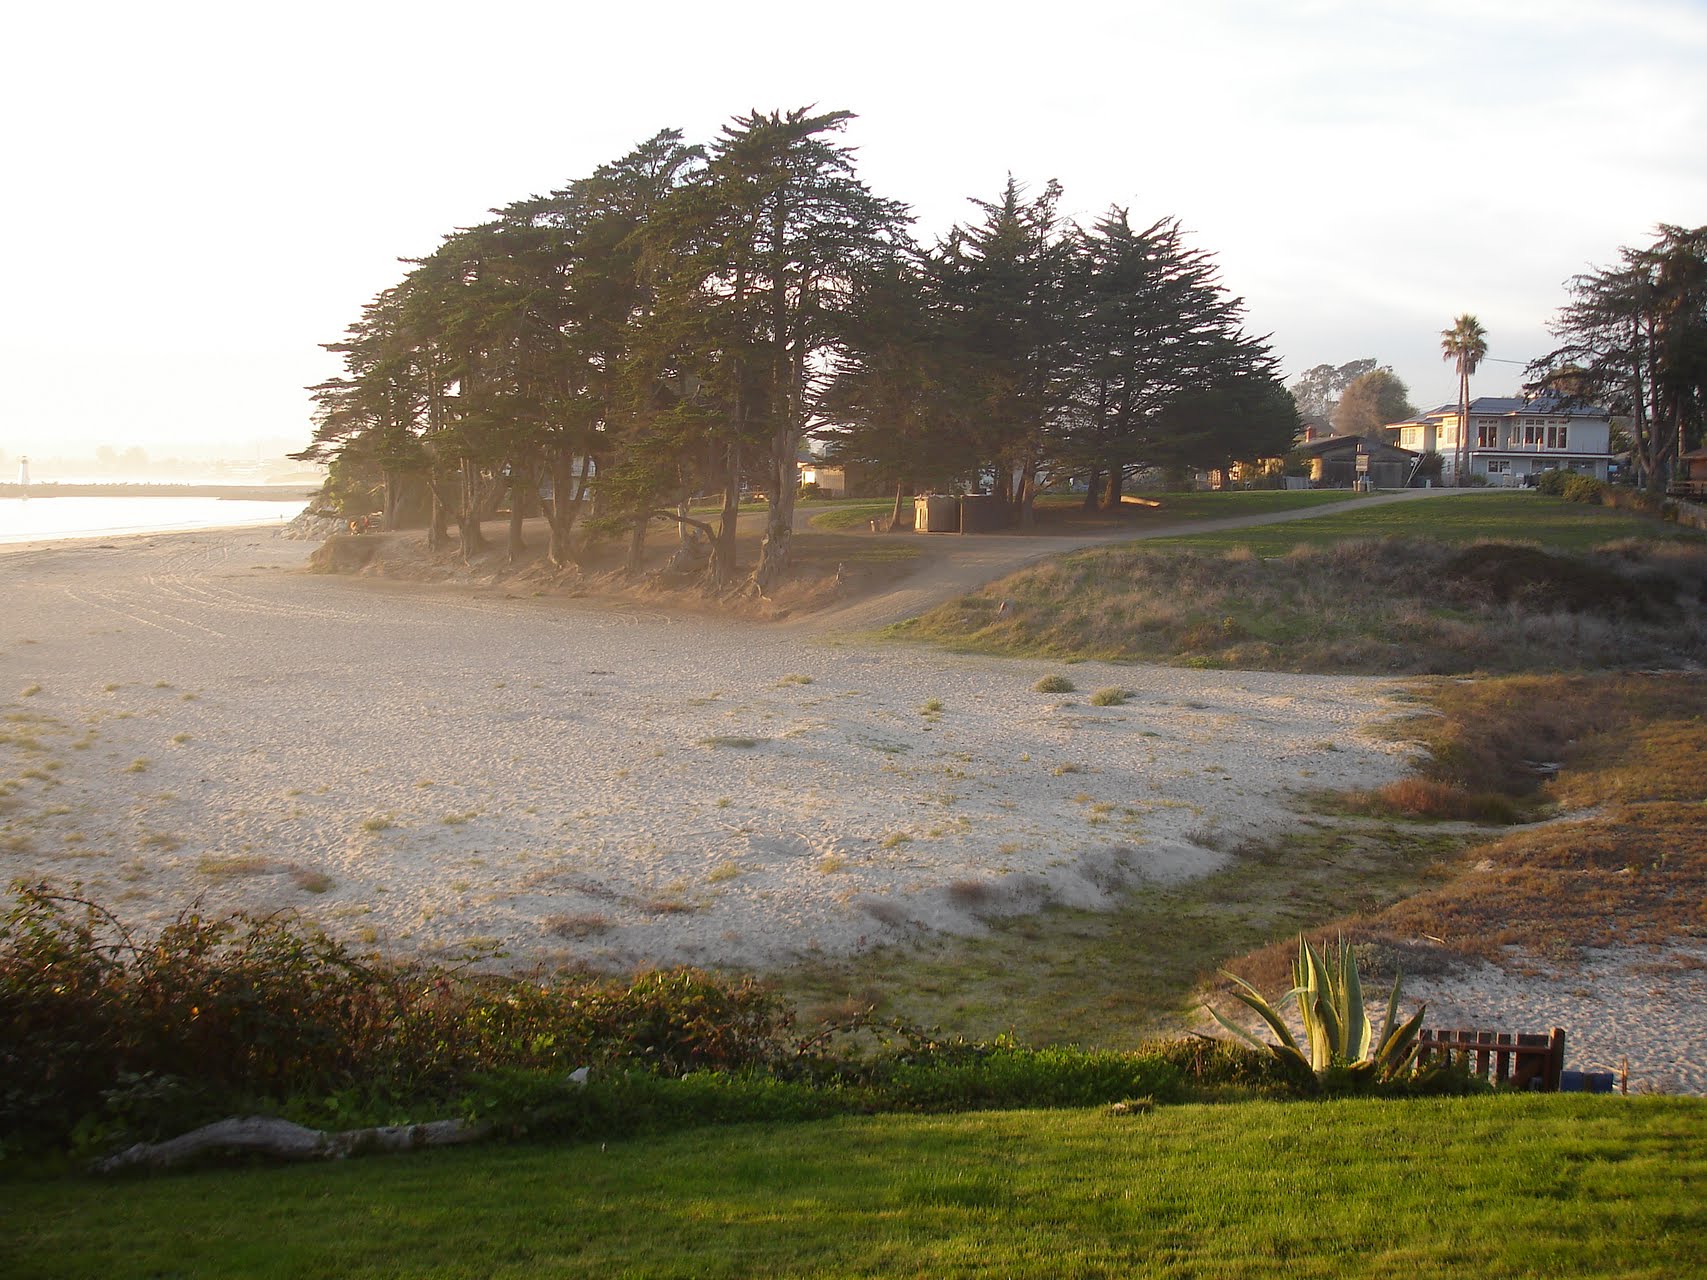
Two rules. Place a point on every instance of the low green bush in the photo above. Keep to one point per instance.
(106, 1040)
(1577, 488)
(121, 1040)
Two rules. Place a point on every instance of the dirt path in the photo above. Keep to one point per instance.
(957, 564)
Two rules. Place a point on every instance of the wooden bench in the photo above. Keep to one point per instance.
(1523, 1061)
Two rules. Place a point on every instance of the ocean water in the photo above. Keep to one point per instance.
(50, 519)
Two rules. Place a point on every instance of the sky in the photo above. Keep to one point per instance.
(197, 195)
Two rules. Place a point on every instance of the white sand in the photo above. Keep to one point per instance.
(426, 768)
(571, 780)
(1625, 1010)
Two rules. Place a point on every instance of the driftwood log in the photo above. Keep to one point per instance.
(282, 1140)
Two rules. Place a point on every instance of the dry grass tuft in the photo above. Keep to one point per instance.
(1435, 800)
(232, 866)
(311, 881)
(584, 925)
(1631, 751)
(971, 895)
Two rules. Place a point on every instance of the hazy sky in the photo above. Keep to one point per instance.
(196, 195)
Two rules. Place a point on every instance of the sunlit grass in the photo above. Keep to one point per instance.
(1507, 1186)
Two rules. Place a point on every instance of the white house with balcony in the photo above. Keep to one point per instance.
(1511, 438)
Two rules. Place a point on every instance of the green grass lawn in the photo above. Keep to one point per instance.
(1467, 517)
(1503, 1186)
(1064, 512)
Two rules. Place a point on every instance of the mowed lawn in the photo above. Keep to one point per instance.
(1454, 517)
(1505, 1186)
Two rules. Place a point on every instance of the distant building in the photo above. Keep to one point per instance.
(1511, 438)
(850, 480)
(1334, 462)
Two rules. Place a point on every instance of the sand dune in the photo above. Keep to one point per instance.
(427, 769)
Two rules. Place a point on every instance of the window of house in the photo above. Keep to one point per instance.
(1498, 466)
(1531, 432)
(1556, 438)
(1488, 435)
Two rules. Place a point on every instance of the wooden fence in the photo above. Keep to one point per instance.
(1523, 1061)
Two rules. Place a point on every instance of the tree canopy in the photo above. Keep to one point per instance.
(1372, 401)
(684, 319)
(1634, 336)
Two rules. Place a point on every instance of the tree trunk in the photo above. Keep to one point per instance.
(779, 515)
(1092, 483)
(393, 499)
(469, 533)
(438, 525)
(895, 525)
(517, 545)
(724, 545)
(636, 546)
(1028, 493)
(565, 505)
(1112, 490)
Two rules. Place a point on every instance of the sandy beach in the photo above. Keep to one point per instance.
(427, 769)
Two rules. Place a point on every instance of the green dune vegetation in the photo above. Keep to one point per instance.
(1486, 583)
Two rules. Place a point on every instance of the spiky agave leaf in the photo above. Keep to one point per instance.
(1355, 1031)
(1315, 1006)
(1400, 1047)
(1287, 1049)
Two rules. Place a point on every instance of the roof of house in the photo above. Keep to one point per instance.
(1335, 444)
(1501, 406)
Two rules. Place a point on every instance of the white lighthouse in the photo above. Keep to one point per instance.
(24, 472)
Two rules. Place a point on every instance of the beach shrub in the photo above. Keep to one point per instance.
(1053, 684)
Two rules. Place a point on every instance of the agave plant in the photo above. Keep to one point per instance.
(1336, 1029)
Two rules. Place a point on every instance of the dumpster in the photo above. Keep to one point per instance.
(936, 513)
(982, 513)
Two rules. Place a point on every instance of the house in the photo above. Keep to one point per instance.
(1512, 437)
(1340, 461)
(847, 480)
(1690, 480)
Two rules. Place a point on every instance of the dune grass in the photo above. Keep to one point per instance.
(1630, 750)
(1324, 595)
(1505, 1185)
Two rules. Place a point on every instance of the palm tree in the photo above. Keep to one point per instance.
(1466, 342)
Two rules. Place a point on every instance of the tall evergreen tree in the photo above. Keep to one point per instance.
(786, 225)
(1006, 303)
(1155, 324)
(1636, 335)
(887, 395)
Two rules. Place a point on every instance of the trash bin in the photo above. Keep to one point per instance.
(936, 513)
(1585, 1082)
(982, 513)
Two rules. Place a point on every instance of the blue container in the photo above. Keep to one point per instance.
(1585, 1082)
